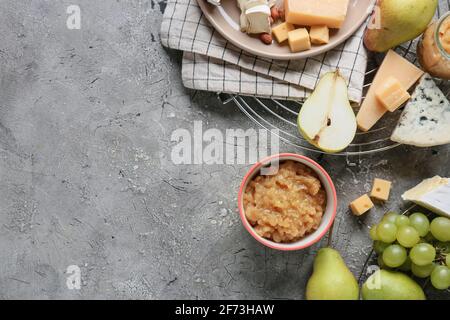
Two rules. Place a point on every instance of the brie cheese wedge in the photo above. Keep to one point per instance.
(433, 194)
(254, 17)
(258, 19)
(425, 122)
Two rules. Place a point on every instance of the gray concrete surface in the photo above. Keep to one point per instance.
(86, 178)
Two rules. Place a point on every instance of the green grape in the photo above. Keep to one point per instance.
(387, 232)
(373, 233)
(391, 217)
(420, 222)
(402, 220)
(440, 228)
(406, 266)
(440, 277)
(379, 246)
(447, 260)
(407, 236)
(422, 254)
(422, 271)
(394, 256)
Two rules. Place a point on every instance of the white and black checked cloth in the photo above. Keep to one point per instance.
(212, 63)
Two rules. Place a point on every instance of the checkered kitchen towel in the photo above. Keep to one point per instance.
(212, 63)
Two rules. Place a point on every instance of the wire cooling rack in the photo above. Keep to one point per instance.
(281, 115)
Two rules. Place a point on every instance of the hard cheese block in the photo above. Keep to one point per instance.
(330, 13)
(425, 122)
(392, 94)
(395, 66)
(280, 32)
(299, 40)
(381, 189)
(433, 194)
(361, 205)
(319, 34)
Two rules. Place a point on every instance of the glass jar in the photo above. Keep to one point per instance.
(433, 50)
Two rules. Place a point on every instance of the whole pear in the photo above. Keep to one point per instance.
(331, 279)
(391, 285)
(397, 21)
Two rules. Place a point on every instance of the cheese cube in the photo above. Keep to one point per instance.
(381, 189)
(330, 13)
(319, 34)
(395, 66)
(392, 94)
(361, 205)
(299, 40)
(280, 32)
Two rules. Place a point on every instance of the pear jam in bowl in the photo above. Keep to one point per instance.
(290, 208)
(433, 50)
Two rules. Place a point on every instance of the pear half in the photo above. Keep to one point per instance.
(326, 119)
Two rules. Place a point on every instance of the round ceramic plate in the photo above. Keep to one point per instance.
(225, 19)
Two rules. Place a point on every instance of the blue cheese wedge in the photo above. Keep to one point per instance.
(433, 194)
(425, 122)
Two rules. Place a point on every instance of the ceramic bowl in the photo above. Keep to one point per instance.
(328, 216)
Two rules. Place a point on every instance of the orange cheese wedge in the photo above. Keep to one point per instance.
(395, 66)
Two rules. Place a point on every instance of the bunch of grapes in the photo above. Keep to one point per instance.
(413, 244)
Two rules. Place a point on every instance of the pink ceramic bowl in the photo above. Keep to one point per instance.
(329, 214)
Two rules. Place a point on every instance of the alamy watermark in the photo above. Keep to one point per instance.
(375, 20)
(231, 146)
(73, 21)
(73, 280)
(374, 281)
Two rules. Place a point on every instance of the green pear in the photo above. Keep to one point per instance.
(331, 279)
(391, 285)
(397, 21)
(326, 119)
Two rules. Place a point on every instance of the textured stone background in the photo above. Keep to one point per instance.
(86, 177)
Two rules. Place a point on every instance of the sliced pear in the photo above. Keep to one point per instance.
(326, 119)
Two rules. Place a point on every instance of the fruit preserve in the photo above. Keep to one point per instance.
(286, 206)
(434, 48)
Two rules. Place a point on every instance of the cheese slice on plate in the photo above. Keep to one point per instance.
(330, 13)
(395, 66)
(425, 122)
(433, 194)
